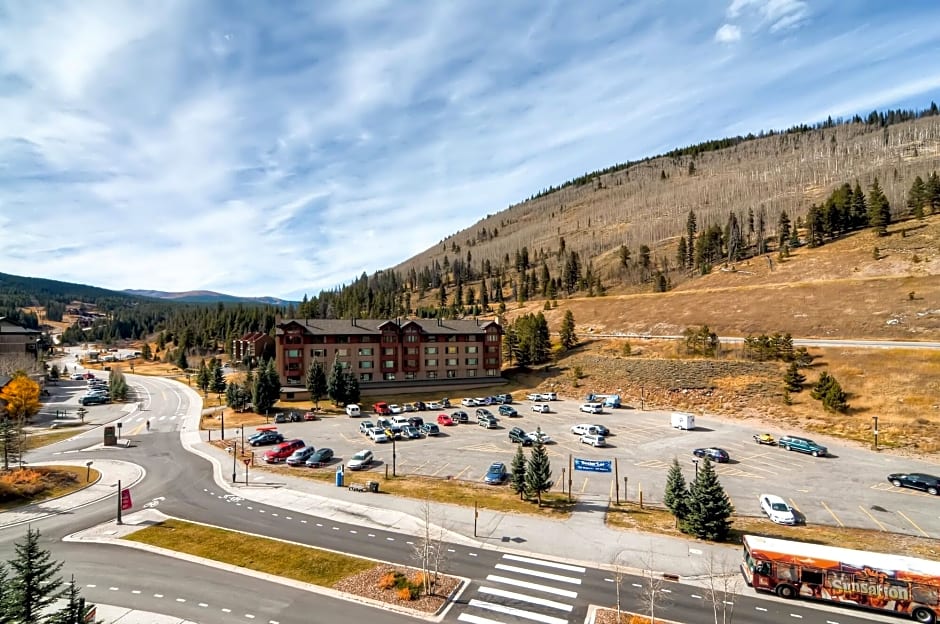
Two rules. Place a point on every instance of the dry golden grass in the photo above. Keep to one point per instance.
(660, 521)
(308, 565)
(27, 486)
(38, 440)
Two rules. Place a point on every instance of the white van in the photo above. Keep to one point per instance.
(683, 420)
(353, 410)
(592, 408)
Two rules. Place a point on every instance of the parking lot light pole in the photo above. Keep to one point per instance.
(222, 412)
(695, 461)
(394, 457)
(875, 430)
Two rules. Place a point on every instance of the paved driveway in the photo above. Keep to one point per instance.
(847, 489)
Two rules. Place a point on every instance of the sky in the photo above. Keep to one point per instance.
(279, 149)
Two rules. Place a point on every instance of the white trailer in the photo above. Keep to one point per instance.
(683, 420)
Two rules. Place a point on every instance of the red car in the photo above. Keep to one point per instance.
(445, 420)
(310, 416)
(381, 408)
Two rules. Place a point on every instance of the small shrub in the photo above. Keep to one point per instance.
(406, 593)
(389, 580)
(876, 254)
(627, 349)
(577, 372)
(916, 258)
(419, 579)
(910, 296)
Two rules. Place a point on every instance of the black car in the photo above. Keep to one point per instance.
(713, 453)
(420, 406)
(516, 434)
(496, 474)
(416, 421)
(267, 437)
(460, 417)
(319, 457)
(916, 480)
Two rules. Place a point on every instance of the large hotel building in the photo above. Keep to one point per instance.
(388, 355)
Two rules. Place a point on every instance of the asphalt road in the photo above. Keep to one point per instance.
(182, 486)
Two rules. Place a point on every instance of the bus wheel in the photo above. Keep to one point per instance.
(923, 615)
(786, 591)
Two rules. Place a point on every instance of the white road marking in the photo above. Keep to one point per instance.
(249, 616)
(114, 588)
(696, 596)
(390, 539)
(203, 605)
(539, 573)
(303, 522)
(476, 619)
(796, 615)
(543, 562)
(135, 591)
(529, 615)
(158, 595)
(760, 608)
(180, 600)
(525, 598)
(353, 531)
(91, 585)
(274, 514)
(567, 593)
(473, 554)
(226, 610)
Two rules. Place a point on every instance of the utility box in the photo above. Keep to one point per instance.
(110, 437)
(683, 420)
(373, 487)
(339, 478)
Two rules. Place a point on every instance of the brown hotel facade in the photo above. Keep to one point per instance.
(389, 355)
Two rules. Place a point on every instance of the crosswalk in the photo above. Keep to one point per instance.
(525, 588)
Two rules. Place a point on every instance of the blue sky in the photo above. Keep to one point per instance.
(275, 148)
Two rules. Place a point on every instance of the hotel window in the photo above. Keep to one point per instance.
(342, 352)
(388, 364)
(451, 374)
(409, 375)
(492, 349)
(367, 339)
(412, 338)
(432, 339)
(342, 339)
(473, 349)
(411, 363)
(451, 350)
(412, 350)
(317, 339)
(389, 338)
(452, 339)
(491, 362)
(293, 381)
(344, 365)
(317, 352)
(294, 339)
(430, 350)
(432, 375)
(389, 376)
(365, 376)
(431, 362)
(472, 361)
(388, 351)
(365, 364)
(452, 361)
(472, 372)
(492, 372)
(365, 351)
(492, 337)
(293, 353)
(293, 366)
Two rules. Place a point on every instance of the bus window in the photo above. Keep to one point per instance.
(814, 577)
(786, 572)
(924, 594)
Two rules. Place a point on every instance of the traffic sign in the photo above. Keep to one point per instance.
(593, 465)
(126, 502)
(247, 460)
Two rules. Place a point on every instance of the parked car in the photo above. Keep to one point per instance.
(281, 418)
(541, 408)
(484, 413)
(533, 397)
(77, 376)
(590, 429)
(592, 408)
(300, 456)
(445, 402)
(320, 457)
(394, 408)
(777, 509)
(420, 406)
(594, 440)
(483, 401)
(765, 438)
(434, 405)
(400, 420)
(536, 436)
(411, 432)
(310, 416)
(383, 423)
(430, 429)
(803, 445)
(362, 459)
(713, 453)
(548, 396)
(94, 400)
(261, 432)
(460, 416)
(468, 402)
(415, 421)
(283, 450)
(365, 426)
(496, 474)
(353, 410)
(381, 408)
(378, 435)
(916, 480)
(409, 407)
(488, 422)
(445, 420)
(507, 411)
(519, 436)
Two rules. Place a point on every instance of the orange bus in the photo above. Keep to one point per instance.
(875, 581)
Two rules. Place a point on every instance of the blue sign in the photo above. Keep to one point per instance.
(593, 465)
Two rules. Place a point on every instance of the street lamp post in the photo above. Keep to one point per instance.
(695, 461)
(222, 412)
(875, 430)
(394, 456)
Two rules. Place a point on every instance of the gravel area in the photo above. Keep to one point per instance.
(366, 585)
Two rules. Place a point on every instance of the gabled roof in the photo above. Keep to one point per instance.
(376, 326)
(9, 326)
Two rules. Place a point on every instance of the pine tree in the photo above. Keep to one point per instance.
(917, 197)
(74, 610)
(783, 229)
(676, 496)
(538, 471)
(351, 386)
(517, 479)
(835, 398)
(568, 337)
(12, 440)
(690, 229)
(335, 385)
(710, 508)
(793, 379)
(218, 383)
(202, 377)
(859, 207)
(879, 211)
(266, 388)
(682, 252)
(180, 361)
(54, 372)
(316, 381)
(34, 583)
(117, 384)
(821, 387)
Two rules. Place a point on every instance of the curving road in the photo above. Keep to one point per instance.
(506, 586)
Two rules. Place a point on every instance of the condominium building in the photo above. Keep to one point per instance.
(385, 354)
(16, 339)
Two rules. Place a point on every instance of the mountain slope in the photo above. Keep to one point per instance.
(205, 296)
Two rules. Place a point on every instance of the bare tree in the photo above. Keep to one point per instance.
(652, 596)
(721, 589)
(13, 362)
(430, 550)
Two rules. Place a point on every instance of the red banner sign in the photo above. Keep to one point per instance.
(126, 502)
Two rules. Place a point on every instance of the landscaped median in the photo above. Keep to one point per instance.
(27, 486)
(654, 519)
(393, 585)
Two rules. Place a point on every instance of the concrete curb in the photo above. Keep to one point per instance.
(157, 516)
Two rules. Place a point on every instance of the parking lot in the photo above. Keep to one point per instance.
(849, 488)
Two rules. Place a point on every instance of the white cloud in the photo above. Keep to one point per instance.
(728, 33)
(289, 148)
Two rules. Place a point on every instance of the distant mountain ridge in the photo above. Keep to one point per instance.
(205, 296)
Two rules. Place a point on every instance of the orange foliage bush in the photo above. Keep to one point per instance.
(389, 580)
(406, 593)
(24, 483)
